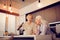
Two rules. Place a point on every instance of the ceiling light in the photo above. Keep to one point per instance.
(4, 6)
(23, 0)
(39, 1)
(10, 8)
(39, 4)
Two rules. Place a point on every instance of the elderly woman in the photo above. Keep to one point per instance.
(41, 26)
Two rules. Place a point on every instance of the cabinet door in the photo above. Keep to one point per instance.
(2, 23)
(11, 24)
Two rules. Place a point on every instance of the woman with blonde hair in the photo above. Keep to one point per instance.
(41, 26)
(28, 25)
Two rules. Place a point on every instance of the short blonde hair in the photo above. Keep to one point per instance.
(38, 17)
(30, 15)
(41, 19)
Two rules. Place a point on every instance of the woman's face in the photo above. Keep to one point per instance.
(29, 17)
(38, 21)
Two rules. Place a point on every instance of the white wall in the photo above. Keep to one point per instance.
(20, 20)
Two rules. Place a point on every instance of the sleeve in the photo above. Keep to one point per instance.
(22, 28)
(44, 29)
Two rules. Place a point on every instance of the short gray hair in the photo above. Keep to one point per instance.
(39, 17)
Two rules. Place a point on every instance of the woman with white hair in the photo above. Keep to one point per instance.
(41, 26)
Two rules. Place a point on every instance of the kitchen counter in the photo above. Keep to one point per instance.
(20, 37)
(27, 37)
